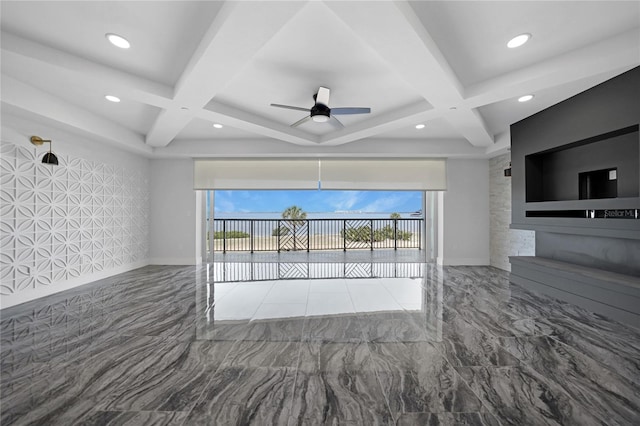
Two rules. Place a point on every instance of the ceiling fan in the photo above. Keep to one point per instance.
(320, 111)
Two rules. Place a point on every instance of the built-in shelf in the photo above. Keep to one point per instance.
(624, 229)
(598, 204)
(605, 166)
(587, 214)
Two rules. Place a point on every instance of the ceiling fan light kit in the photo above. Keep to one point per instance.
(320, 111)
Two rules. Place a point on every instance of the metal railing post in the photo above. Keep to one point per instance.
(295, 231)
(279, 231)
(395, 234)
(308, 242)
(371, 232)
(224, 235)
(251, 235)
(344, 234)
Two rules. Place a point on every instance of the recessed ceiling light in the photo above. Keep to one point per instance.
(112, 98)
(217, 125)
(118, 41)
(525, 98)
(419, 126)
(518, 40)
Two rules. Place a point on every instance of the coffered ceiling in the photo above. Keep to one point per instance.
(444, 64)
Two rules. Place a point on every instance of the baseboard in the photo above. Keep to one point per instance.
(173, 261)
(24, 296)
(501, 266)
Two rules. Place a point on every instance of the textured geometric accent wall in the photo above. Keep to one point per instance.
(62, 222)
(504, 242)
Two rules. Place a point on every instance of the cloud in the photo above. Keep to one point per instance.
(344, 200)
(222, 202)
(390, 203)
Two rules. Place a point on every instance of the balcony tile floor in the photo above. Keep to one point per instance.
(314, 344)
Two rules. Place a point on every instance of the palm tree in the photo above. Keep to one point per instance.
(293, 214)
(389, 232)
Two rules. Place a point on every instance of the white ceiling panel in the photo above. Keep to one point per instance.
(473, 34)
(199, 129)
(195, 63)
(163, 34)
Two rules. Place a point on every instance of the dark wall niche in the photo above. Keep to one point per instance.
(604, 166)
(598, 184)
(594, 130)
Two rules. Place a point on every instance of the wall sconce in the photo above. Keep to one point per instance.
(507, 172)
(49, 157)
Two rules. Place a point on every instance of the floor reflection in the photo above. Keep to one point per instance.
(239, 294)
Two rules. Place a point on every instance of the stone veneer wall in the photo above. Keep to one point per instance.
(504, 242)
(65, 225)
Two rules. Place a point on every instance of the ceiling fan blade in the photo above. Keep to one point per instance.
(337, 121)
(299, 122)
(323, 96)
(350, 110)
(290, 107)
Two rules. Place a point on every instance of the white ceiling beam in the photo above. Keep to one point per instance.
(37, 102)
(442, 89)
(402, 117)
(237, 33)
(502, 145)
(613, 54)
(365, 148)
(471, 125)
(234, 117)
(26, 54)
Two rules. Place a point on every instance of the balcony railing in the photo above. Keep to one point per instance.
(251, 235)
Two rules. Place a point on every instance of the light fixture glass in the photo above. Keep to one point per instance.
(112, 98)
(118, 41)
(419, 126)
(320, 118)
(525, 98)
(518, 40)
(217, 125)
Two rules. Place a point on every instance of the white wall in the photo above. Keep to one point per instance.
(67, 225)
(505, 242)
(175, 214)
(463, 237)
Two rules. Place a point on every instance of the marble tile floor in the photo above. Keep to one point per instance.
(425, 345)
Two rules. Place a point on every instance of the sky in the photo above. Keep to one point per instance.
(318, 201)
